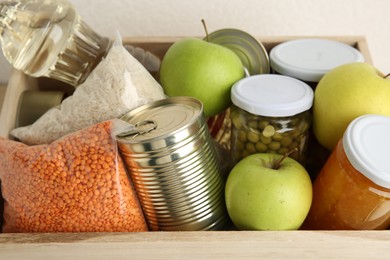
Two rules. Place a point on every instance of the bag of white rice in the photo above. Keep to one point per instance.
(118, 84)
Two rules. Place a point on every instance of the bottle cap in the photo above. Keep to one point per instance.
(366, 143)
(272, 95)
(310, 59)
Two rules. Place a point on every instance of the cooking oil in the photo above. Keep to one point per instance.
(48, 38)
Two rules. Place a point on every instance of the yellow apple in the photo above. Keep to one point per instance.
(345, 93)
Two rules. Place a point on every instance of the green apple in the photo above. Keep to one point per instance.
(203, 70)
(267, 191)
(345, 93)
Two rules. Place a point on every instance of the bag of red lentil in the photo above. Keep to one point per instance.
(75, 184)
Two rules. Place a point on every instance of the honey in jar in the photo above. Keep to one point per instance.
(352, 190)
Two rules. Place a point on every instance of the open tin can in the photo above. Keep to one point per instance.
(173, 165)
(33, 104)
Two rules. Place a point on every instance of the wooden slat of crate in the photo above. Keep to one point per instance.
(17, 83)
(199, 245)
(159, 45)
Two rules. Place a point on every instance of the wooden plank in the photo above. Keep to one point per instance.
(2, 94)
(159, 45)
(17, 84)
(199, 245)
(362, 45)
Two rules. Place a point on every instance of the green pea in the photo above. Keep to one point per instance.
(262, 124)
(274, 146)
(253, 137)
(250, 148)
(265, 140)
(237, 121)
(252, 124)
(268, 131)
(277, 137)
(242, 136)
(261, 148)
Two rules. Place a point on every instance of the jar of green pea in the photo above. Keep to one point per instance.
(270, 114)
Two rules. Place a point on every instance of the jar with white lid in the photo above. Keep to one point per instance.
(352, 190)
(270, 114)
(309, 59)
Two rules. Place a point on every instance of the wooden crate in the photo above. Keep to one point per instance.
(182, 245)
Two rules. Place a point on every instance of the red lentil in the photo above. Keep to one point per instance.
(75, 184)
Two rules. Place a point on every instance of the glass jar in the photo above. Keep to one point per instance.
(352, 190)
(308, 60)
(48, 38)
(254, 58)
(270, 114)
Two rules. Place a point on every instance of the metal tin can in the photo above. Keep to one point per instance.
(173, 165)
(33, 104)
(251, 52)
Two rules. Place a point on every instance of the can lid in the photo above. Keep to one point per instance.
(251, 52)
(366, 143)
(163, 117)
(310, 59)
(272, 95)
(33, 104)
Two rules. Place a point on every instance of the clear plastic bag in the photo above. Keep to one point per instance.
(117, 85)
(75, 184)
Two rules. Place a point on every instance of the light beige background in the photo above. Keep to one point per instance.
(369, 18)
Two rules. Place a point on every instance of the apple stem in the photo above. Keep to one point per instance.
(205, 29)
(279, 162)
(386, 76)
